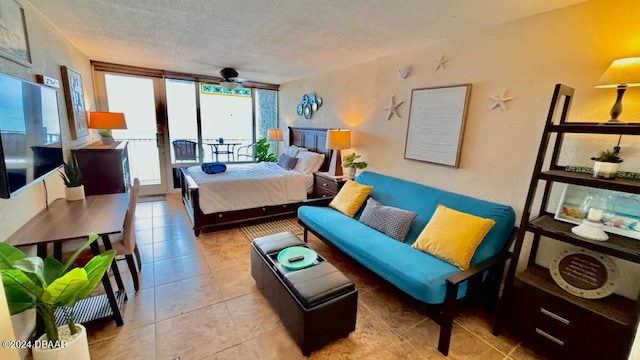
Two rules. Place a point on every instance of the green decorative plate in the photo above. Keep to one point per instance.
(309, 256)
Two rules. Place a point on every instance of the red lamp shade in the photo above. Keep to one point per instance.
(106, 120)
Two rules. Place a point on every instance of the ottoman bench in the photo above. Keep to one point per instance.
(317, 304)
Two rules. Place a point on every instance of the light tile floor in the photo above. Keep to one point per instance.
(198, 301)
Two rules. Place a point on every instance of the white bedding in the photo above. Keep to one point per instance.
(245, 186)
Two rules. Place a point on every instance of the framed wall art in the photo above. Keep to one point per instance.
(436, 124)
(74, 98)
(14, 41)
(620, 211)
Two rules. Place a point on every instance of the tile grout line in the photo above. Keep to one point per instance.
(481, 339)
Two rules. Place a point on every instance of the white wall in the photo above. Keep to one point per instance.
(49, 50)
(573, 45)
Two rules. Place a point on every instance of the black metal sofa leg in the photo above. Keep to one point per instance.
(445, 335)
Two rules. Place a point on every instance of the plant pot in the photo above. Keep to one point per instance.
(74, 193)
(605, 170)
(77, 346)
(351, 172)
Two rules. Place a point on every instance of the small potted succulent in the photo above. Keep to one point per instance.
(31, 282)
(349, 162)
(606, 164)
(72, 178)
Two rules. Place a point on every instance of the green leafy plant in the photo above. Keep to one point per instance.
(348, 161)
(610, 156)
(262, 151)
(72, 176)
(30, 282)
(105, 133)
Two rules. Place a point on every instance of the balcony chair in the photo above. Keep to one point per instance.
(185, 150)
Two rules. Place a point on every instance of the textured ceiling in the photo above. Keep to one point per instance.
(273, 41)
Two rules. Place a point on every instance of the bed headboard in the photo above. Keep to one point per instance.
(314, 139)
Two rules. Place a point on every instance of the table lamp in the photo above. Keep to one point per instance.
(622, 73)
(338, 139)
(105, 121)
(275, 135)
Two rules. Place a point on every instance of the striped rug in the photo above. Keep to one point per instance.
(272, 227)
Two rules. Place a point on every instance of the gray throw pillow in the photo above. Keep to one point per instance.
(287, 162)
(389, 220)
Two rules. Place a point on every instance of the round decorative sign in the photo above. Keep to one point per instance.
(584, 273)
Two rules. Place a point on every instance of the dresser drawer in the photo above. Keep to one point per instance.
(326, 185)
(564, 330)
(323, 192)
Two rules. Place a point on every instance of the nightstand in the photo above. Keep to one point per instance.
(325, 185)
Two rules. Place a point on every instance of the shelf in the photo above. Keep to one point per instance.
(620, 128)
(613, 307)
(619, 246)
(91, 309)
(624, 185)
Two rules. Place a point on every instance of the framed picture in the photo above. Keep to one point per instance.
(14, 42)
(436, 124)
(74, 97)
(620, 211)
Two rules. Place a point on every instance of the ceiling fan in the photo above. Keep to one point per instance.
(231, 79)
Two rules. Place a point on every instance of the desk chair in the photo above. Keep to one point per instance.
(185, 150)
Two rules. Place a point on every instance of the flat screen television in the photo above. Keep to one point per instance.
(30, 141)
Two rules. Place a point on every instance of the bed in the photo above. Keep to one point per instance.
(313, 139)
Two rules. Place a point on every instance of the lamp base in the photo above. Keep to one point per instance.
(616, 110)
(335, 168)
(590, 230)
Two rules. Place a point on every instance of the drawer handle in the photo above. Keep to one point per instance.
(550, 337)
(554, 316)
(324, 184)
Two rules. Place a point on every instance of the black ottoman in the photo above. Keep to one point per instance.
(317, 304)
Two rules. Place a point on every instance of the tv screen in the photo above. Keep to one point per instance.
(30, 142)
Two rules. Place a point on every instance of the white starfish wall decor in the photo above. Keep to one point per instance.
(392, 109)
(441, 62)
(500, 100)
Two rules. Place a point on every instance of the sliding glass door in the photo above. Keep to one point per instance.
(137, 97)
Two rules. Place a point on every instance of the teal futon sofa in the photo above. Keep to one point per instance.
(437, 287)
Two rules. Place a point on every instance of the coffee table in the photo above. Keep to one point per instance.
(317, 304)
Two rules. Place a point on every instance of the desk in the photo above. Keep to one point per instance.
(66, 220)
(230, 150)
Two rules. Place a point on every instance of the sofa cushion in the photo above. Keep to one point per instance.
(418, 274)
(387, 219)
(350, 198)
(453, 236)
(423, 200)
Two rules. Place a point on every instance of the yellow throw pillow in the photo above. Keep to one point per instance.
(350, 198)
(453, 236)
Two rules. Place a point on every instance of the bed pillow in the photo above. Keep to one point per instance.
(389, 220)
(213, 167)
(308, 162)
(453, 236)
(350, 198)
(293, 150)
(287, 162)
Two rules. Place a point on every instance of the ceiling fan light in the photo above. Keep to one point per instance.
(229, 85)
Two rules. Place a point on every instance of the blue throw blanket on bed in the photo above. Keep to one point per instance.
(213, 167)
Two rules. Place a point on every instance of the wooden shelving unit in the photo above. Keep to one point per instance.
(563, 325)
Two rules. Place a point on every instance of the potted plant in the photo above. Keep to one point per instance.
(72, 178)
(348, 162)
(262, 151)
(106, 136)
(31, 282)
(606, 164)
